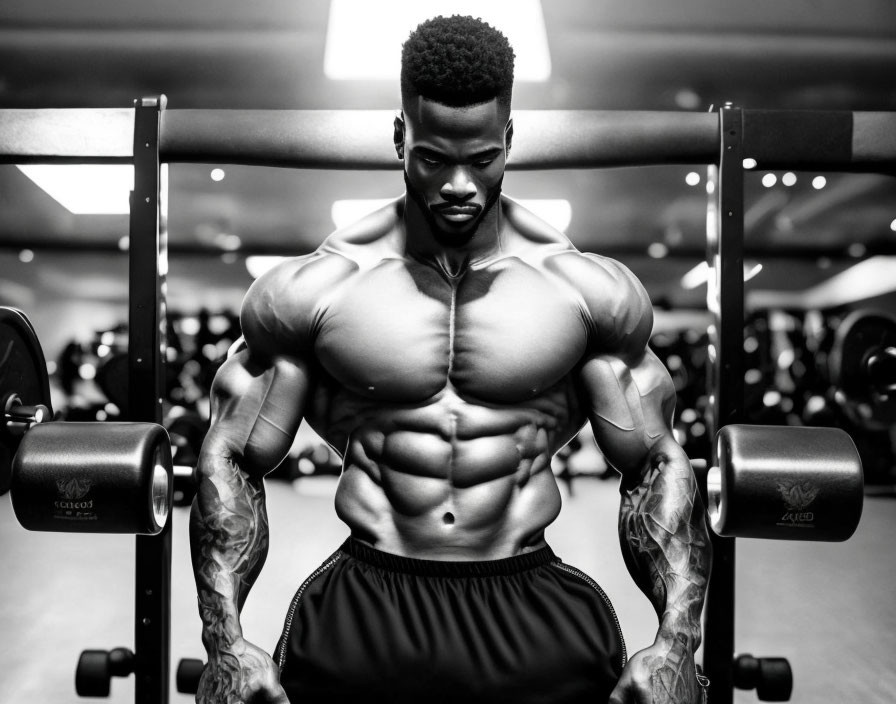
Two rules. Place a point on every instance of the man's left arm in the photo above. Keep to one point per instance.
(661, 522)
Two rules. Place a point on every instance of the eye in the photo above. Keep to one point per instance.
(483, 164)
(429, 161)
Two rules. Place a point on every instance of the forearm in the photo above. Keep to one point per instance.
(229, 542)
(666, 545)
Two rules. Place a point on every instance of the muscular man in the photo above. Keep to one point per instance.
(447, 346)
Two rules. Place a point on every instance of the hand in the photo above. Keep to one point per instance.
(243, 674)
(664, 673)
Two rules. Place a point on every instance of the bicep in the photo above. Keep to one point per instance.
(630, 406)
(256, 410)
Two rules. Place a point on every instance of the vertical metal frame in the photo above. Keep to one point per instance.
(146, 360)
(725, 301)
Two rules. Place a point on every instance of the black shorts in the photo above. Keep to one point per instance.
(369, 626)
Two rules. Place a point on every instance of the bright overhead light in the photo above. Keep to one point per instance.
(749, 163)
(657, 250)
(86, 189)
(695, 277)
(687, 99)
(700, 274)
(789, 178)
(864, 280)
(555, 212)
(769, 180)
(217, 174)
(692, 179)
(751, 270)
(893, 226)
(364, 38)
(819, 182)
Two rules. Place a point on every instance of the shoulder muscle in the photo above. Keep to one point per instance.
(280, 310)
(614, 302)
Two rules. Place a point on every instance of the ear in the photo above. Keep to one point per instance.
(508, 137)
(398, 135)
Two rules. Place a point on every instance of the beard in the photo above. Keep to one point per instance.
(445, 236)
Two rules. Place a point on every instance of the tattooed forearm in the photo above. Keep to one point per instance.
(667, 549)
(229, 543)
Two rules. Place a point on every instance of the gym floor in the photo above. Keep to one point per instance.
(828, 608)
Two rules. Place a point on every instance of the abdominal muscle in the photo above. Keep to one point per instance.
(453, 480)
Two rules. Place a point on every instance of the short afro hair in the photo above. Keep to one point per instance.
(457, 61)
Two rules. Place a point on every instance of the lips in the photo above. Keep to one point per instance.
(457, 213)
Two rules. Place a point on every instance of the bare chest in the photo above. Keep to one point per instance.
(402, 332)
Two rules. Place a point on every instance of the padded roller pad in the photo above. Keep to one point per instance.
(785, 483)
(93, 478)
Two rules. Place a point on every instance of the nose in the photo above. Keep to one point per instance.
(459, 186)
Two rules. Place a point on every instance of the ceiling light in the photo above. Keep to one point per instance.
(867, 279)
(749, 163)
(228, 242)
(695, 277)
(789, 178)
(893, 226)
(217, 174)
(751, 270)
(364, 38)
(700, 274)
(692, 179)
(26, 256)
(769, 180)
(857, 249)
(687, 99)
(819, 182)
(86, 189)
(657, 250)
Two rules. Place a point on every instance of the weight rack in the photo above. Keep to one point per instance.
(150, 136)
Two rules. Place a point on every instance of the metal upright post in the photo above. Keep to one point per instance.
(146, 365)
(725, 300)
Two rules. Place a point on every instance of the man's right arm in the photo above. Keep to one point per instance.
(257, 402)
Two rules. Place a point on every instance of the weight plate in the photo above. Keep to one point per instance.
(23, 373)
(860, 336)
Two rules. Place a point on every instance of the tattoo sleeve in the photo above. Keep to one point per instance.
(666, 546)
(229, 543)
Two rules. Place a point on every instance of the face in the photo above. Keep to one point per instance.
(454, 162)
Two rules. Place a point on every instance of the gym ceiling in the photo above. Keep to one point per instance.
(605, 54)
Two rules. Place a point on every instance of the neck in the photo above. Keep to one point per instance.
(423, 240)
